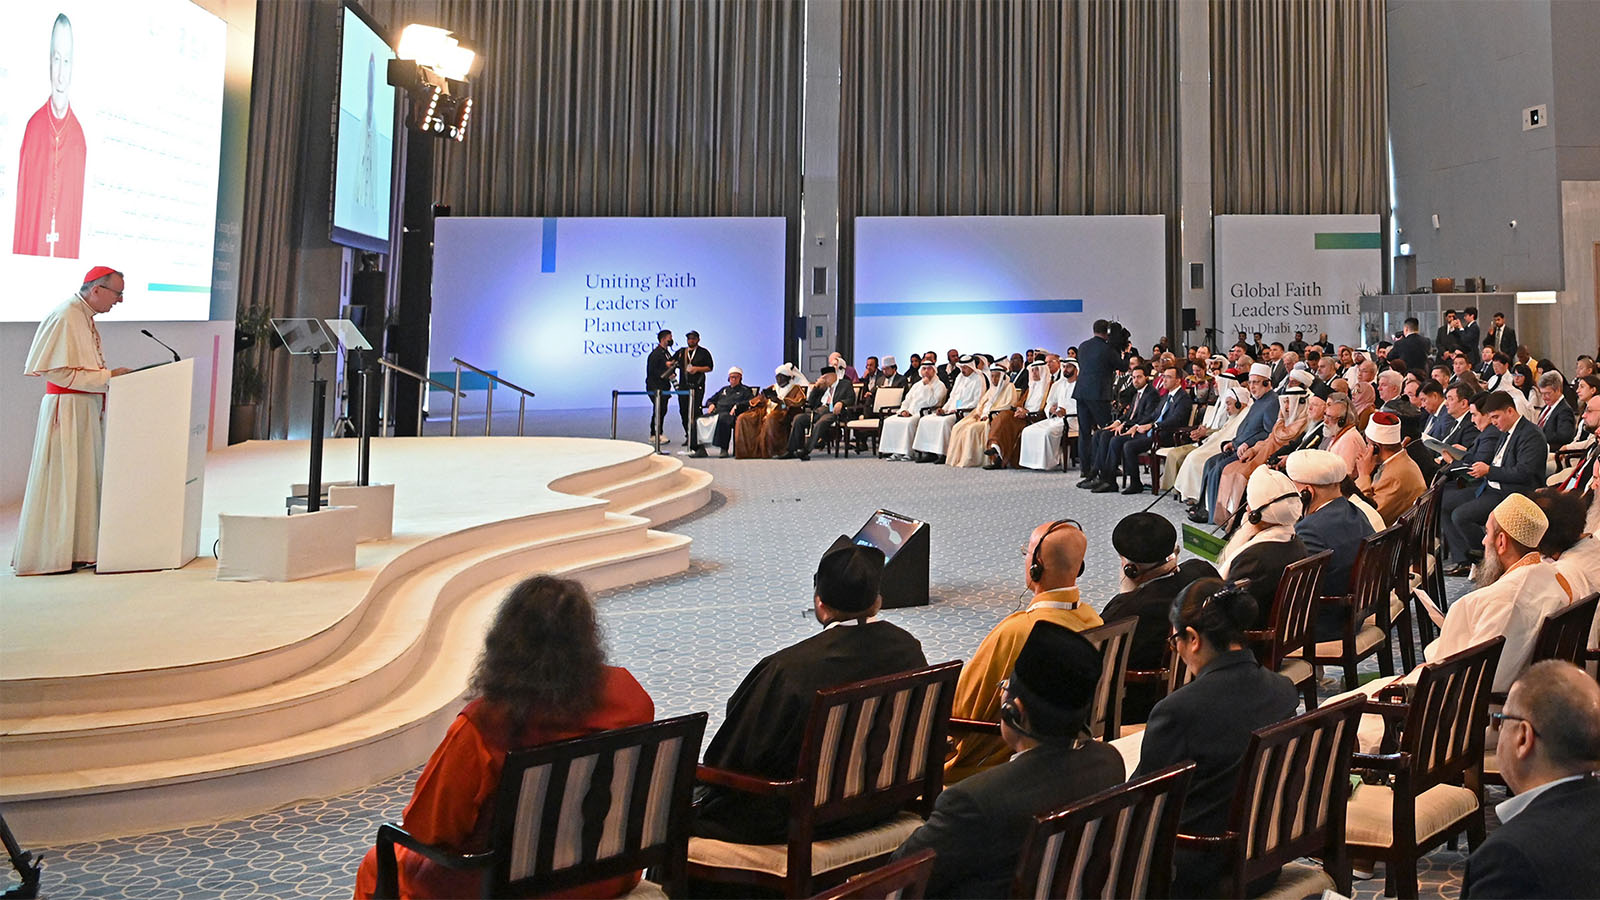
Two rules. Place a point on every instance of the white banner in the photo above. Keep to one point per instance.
(993, 284)
(1282, 274)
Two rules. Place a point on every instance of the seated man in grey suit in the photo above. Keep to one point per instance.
(978, 826)
(1548, 743)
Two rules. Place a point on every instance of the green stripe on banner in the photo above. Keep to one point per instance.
(180, 288)
(1349, 240)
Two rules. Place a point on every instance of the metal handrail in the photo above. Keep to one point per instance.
(388, 379)
(488, 403)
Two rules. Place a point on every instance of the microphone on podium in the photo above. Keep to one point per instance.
(146, 333)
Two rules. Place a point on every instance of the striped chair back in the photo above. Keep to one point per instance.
(1424, 544)
(1564, 634)
(1449, 713)
(1294, 609)
(1294, 784)
(1113, 640)
(591, 808)
(875, 744)
(1117, 843)
(1372, 576)
(905, 879)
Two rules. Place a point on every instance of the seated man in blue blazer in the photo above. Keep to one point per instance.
(1255, 427)
(1517, 467)
(978, 824)
(1548, 745)
(1172, 413)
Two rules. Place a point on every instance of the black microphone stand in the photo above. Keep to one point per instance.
(319, 402)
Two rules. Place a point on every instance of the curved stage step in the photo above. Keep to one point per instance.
(373, 704)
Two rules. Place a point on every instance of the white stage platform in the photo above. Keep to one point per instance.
(141, 701)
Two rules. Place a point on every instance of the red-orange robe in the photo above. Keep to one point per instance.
(50, 186)
(453, 802)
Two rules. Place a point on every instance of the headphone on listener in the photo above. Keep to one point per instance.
(1012, 717)
(1255, 514)
(1036, 567)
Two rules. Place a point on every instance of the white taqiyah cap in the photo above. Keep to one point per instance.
(735, 370)
(1315, 467)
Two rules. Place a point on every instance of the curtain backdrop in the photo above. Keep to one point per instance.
(1006, 107)
(268, 261)
(623, 107)
(1299, 98)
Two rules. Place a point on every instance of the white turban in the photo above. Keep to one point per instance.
(1316, 467)
(1269, 486)
(1301, 377)
(1261, 370)
(735, 370)
(1521, 519)
(1384, 428)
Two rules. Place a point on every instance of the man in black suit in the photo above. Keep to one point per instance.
(1298, 345)
(951, 368)
(1412, 348)
(1151, 579)
(978, 825)
(1548, 745)
(1172, 413)
(1517, 467)
(1502, 337)
(830, 404)
(1469, 336)
(1103, 458)
(660, 367)
(694, 361)
(1448, 339)
(1097, 363)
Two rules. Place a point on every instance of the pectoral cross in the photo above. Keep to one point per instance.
(53, 236)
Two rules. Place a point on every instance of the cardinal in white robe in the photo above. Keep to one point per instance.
(1041, 441)
(970, 437)
(60, 521)
(900, 428)
(933, 432)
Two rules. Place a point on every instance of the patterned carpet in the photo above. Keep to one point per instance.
(689, 639)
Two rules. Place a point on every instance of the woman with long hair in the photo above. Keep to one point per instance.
(542, 677)
(1210, 719)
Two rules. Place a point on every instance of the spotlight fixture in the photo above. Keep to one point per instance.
(432, 68)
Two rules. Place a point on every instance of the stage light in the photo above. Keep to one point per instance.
(432, 67)
(436, 49)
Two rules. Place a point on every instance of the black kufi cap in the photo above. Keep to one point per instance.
(1144, 537)
(1055, 676)
(849, 576)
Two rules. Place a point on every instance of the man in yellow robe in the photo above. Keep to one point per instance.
(1053, 560)
(60, 521)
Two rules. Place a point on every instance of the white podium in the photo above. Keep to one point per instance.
(154, 475)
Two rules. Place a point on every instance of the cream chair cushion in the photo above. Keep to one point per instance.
(825, 855)
(646, 890)
(1296, 670)
(1368, 637)
(1369, 821)
(1298, 881)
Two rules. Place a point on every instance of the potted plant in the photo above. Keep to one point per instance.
(250, 346)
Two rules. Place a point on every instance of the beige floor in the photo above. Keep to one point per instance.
(83, 624)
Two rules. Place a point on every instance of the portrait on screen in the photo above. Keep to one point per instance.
(49, 216)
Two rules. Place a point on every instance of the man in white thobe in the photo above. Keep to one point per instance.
(1041, 441)
(1190, 482)
(60, 521)
(933, 432)
(899, 429)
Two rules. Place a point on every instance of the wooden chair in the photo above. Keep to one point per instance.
(1413, 800)
(1400, 601)
(1117, 843)
(1371, 583)
(1294, 625)
(1291, 800)
(542, 839)
(884, 402)
(1113, 640)
(1425, 552)
(905, 879)
(1564, 635)
(869, 747)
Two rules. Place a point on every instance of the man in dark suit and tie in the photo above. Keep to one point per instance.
(1448, 338)
(1469, 336)
(1517, 467)
(1547, 739)
(1557, 420)
(1502, 337)
(979, 824)
(1104, 459)
(1172, 413)
(830, 403)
